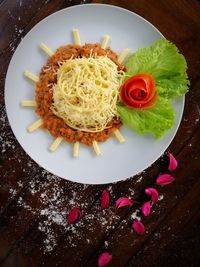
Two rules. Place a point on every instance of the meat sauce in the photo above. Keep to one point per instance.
(44, 94)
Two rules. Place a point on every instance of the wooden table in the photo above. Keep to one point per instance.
(34, 203)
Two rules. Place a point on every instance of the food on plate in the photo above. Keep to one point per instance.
(163, 62)
(139, 92)
(77, 93)
(84, 93)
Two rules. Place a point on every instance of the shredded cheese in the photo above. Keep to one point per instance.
(86, 93)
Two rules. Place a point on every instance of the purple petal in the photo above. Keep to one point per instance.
(172, 162)
(164, 179)
(153, 193)
(105, 199)
(123, 201)
(138, 227)
(104, 259)
(146, 208)
(73, 215)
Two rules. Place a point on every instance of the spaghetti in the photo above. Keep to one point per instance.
(86, 93)
(49, 78)
(45, 90)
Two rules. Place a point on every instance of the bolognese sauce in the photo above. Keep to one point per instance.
(44, 94)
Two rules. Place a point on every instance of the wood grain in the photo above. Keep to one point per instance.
(34, 204)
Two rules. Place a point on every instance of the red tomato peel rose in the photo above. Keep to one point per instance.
(139, 92)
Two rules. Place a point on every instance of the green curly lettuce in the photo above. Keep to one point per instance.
(156, 120)
(168, 67)
(164, 62)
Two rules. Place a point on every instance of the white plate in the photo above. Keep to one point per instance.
(118, 161)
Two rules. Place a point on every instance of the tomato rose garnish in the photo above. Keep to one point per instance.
(139, 92)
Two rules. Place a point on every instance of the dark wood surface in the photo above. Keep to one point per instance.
(34, 203)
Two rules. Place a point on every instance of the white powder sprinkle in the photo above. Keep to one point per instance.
(160, 197)
(132, 192)
(110, 189)
(20, 3)
(13, 192)
(54, 205)
(22, 203)
(106, 244)
(135, 216)
(53, 200)
(7, 139)
(139, 179)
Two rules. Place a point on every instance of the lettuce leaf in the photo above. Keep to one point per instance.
(156, 120)
(164, 62)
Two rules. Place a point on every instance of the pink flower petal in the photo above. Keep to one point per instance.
(164, 179)
(138, 227)
(104, 259)
(146, 208)
(153, 193)
(172, 162)
(73, 215)
(123, 201)
(105, 199)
